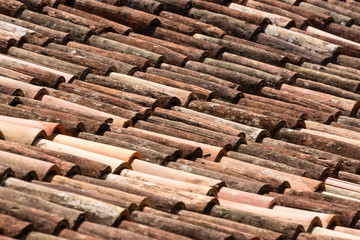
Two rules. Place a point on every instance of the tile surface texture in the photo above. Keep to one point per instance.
(179, 119)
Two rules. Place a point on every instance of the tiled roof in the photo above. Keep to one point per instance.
(179, 119)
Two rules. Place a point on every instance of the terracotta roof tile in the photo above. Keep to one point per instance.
(176, 26)
(338, 17)
(181, 6)
(43, 108)
(239, 182)
(259, 106)
(34, 4)
(234, 195)
(14, 227)
(315, 18)
(305, 102)
(217, 8)
(252, 133)
(196, 74)
(142, 100)
(232, 25)
(189, 147)
(90, 51)
(23, 165)
(87, 166)
(95, 104)
(115, 163)
(318, 142)
(105, 98)
(54, 3)
(16, 132)
(276, 19)
(139, 21)
(327, 220)
(11, 8)
(78, 20)
(224, 93)
(93, 65)
(42, 35)
(124, 199)
(162, 198)
(234, 141)
(122, 29)
(328, 233)
(180, 185)
(247, 83)
(170, 56)
(5, 72)
(297, 180)
(11, 38)
(349, 164)
(186, 229)
(342, 31)
(68, 234)
(79, 33)
(47, 76)
(116, 46)
(84, 111)
(324, 88)
(29, 90)
(290, 229)
(261, 232)
(150, 6)
(319, 116)
(125, 137)
(161, 171)
(347, 106)
(299, 20)
(270, 79)
(75, 70)
(168, 95)
(73, 216)
(314, 170)
(172, 36)
(199, 26)
(73, 124)
(198, 92)
(290, 121)
(66, 168)
(347, 230)
(110, 214)
(246, 172)
(287, 153)
(191, 52)
(148, 154)
(350, 177)
(10, 90)
(105, 232)
(253, 119)
(347, 217)
(53, 225)
(150, 231)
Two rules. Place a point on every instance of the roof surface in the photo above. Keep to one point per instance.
(179, 119)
